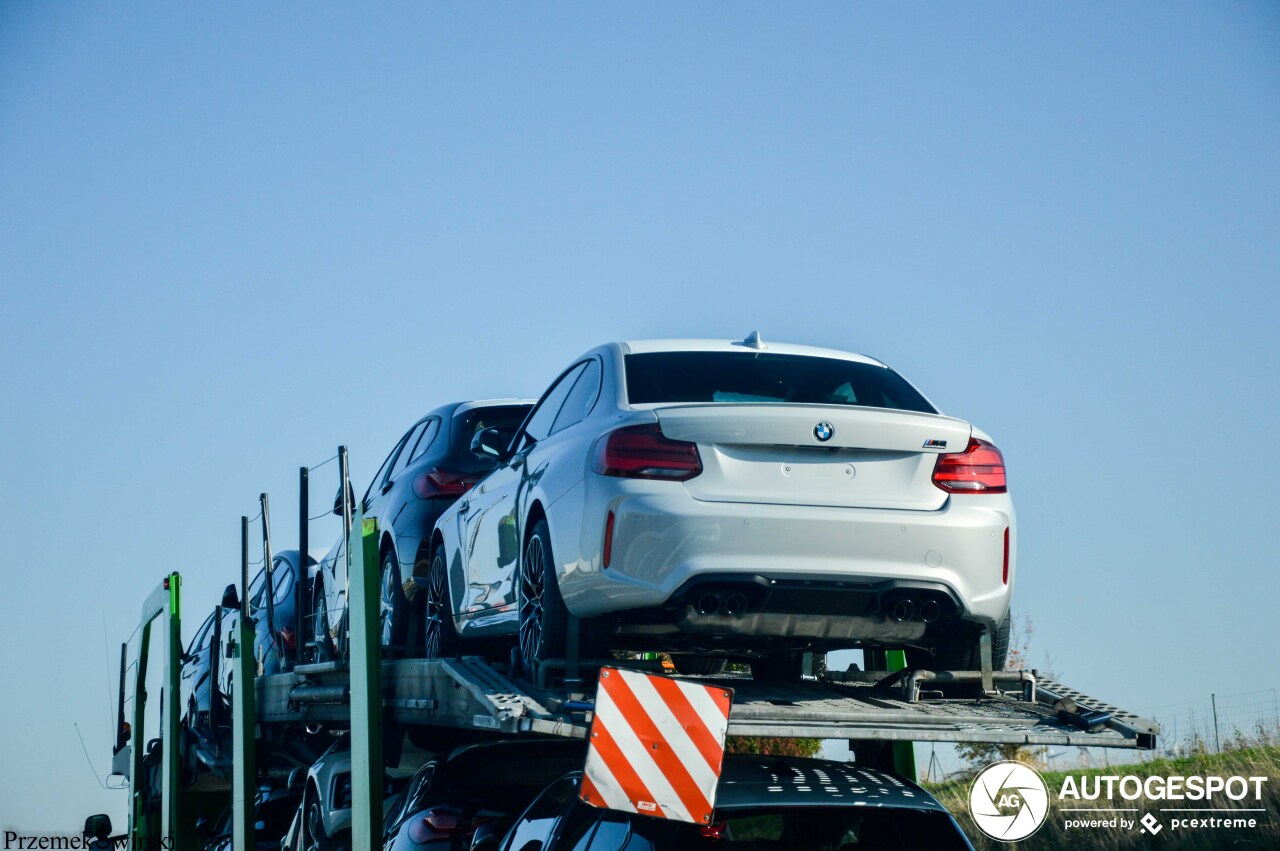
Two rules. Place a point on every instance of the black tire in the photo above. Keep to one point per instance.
(964, 653)
(393, 608)
(439, 635)
(781, 667)
(320, 645)
(543, 618)
(698, 666)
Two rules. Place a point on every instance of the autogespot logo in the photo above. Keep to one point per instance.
(1008, 801)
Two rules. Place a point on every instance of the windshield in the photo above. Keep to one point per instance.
(699, 377)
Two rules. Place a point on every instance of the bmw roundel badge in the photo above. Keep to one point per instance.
(823, 431)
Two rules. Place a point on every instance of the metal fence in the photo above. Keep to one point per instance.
(1218, 722)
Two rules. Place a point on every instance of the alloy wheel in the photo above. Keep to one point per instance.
(435, 611)
(314, 827)
(319, 626)
(386, 604)
(533, 580)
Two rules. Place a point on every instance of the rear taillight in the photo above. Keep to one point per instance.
(643, 452)
(439, 481)
(978, 469)
(287, 639)
(433, 825)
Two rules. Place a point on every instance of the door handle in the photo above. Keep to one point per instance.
(387, 486)
(464, 507)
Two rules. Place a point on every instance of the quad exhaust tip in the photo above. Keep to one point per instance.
(906, 609)
(903, 610)
(930, 611)
(708, 604)
(711, 603)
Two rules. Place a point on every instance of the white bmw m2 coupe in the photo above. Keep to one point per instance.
(730, 500)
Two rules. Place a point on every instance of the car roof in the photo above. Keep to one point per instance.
(761, 781)
(491, 403)
(518, 749)
(641, 347)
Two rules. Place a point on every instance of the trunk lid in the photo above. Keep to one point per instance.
(770, 453)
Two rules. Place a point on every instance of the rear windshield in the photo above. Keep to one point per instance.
(470, 423)
(672, 377)
(828, 828)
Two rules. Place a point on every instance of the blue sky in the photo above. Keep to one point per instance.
(233, 238)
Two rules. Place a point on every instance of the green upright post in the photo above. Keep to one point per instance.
(366, 685)
(171, 785)
(165, 602)
(904, 753)
(243, 771)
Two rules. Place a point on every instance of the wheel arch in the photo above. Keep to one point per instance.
(536, 513)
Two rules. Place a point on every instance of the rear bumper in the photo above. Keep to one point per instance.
(834, 564)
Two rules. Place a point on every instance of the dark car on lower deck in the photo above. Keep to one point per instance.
(762, 804)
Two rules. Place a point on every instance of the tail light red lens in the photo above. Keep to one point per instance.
(979, 469)
(644, 452)
(287, 639)
(439, 481)
(433, 825)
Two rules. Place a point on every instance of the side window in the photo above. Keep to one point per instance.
(539, 424)
(402, 460)
(418, 795)
(581, 399)
(538, 821)
(256, 589)
(376, 481)
(282, 579)
(431, 429)
(201, 641)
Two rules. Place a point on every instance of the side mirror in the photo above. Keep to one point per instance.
(231, 598)
(98, 827)
(203, 829)
(296, 778)
(491, 443)
(484, 839)
(351, 499)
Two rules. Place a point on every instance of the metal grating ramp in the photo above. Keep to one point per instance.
(469, 693)
(858, 711)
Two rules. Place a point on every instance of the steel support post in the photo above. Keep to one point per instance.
(300, 600)
(366, 686)
(243, 771)
(904, 753)
(171, 735)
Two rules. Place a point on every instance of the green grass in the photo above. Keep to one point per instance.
(1258, 761)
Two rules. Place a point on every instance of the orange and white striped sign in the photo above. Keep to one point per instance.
(657, 745)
